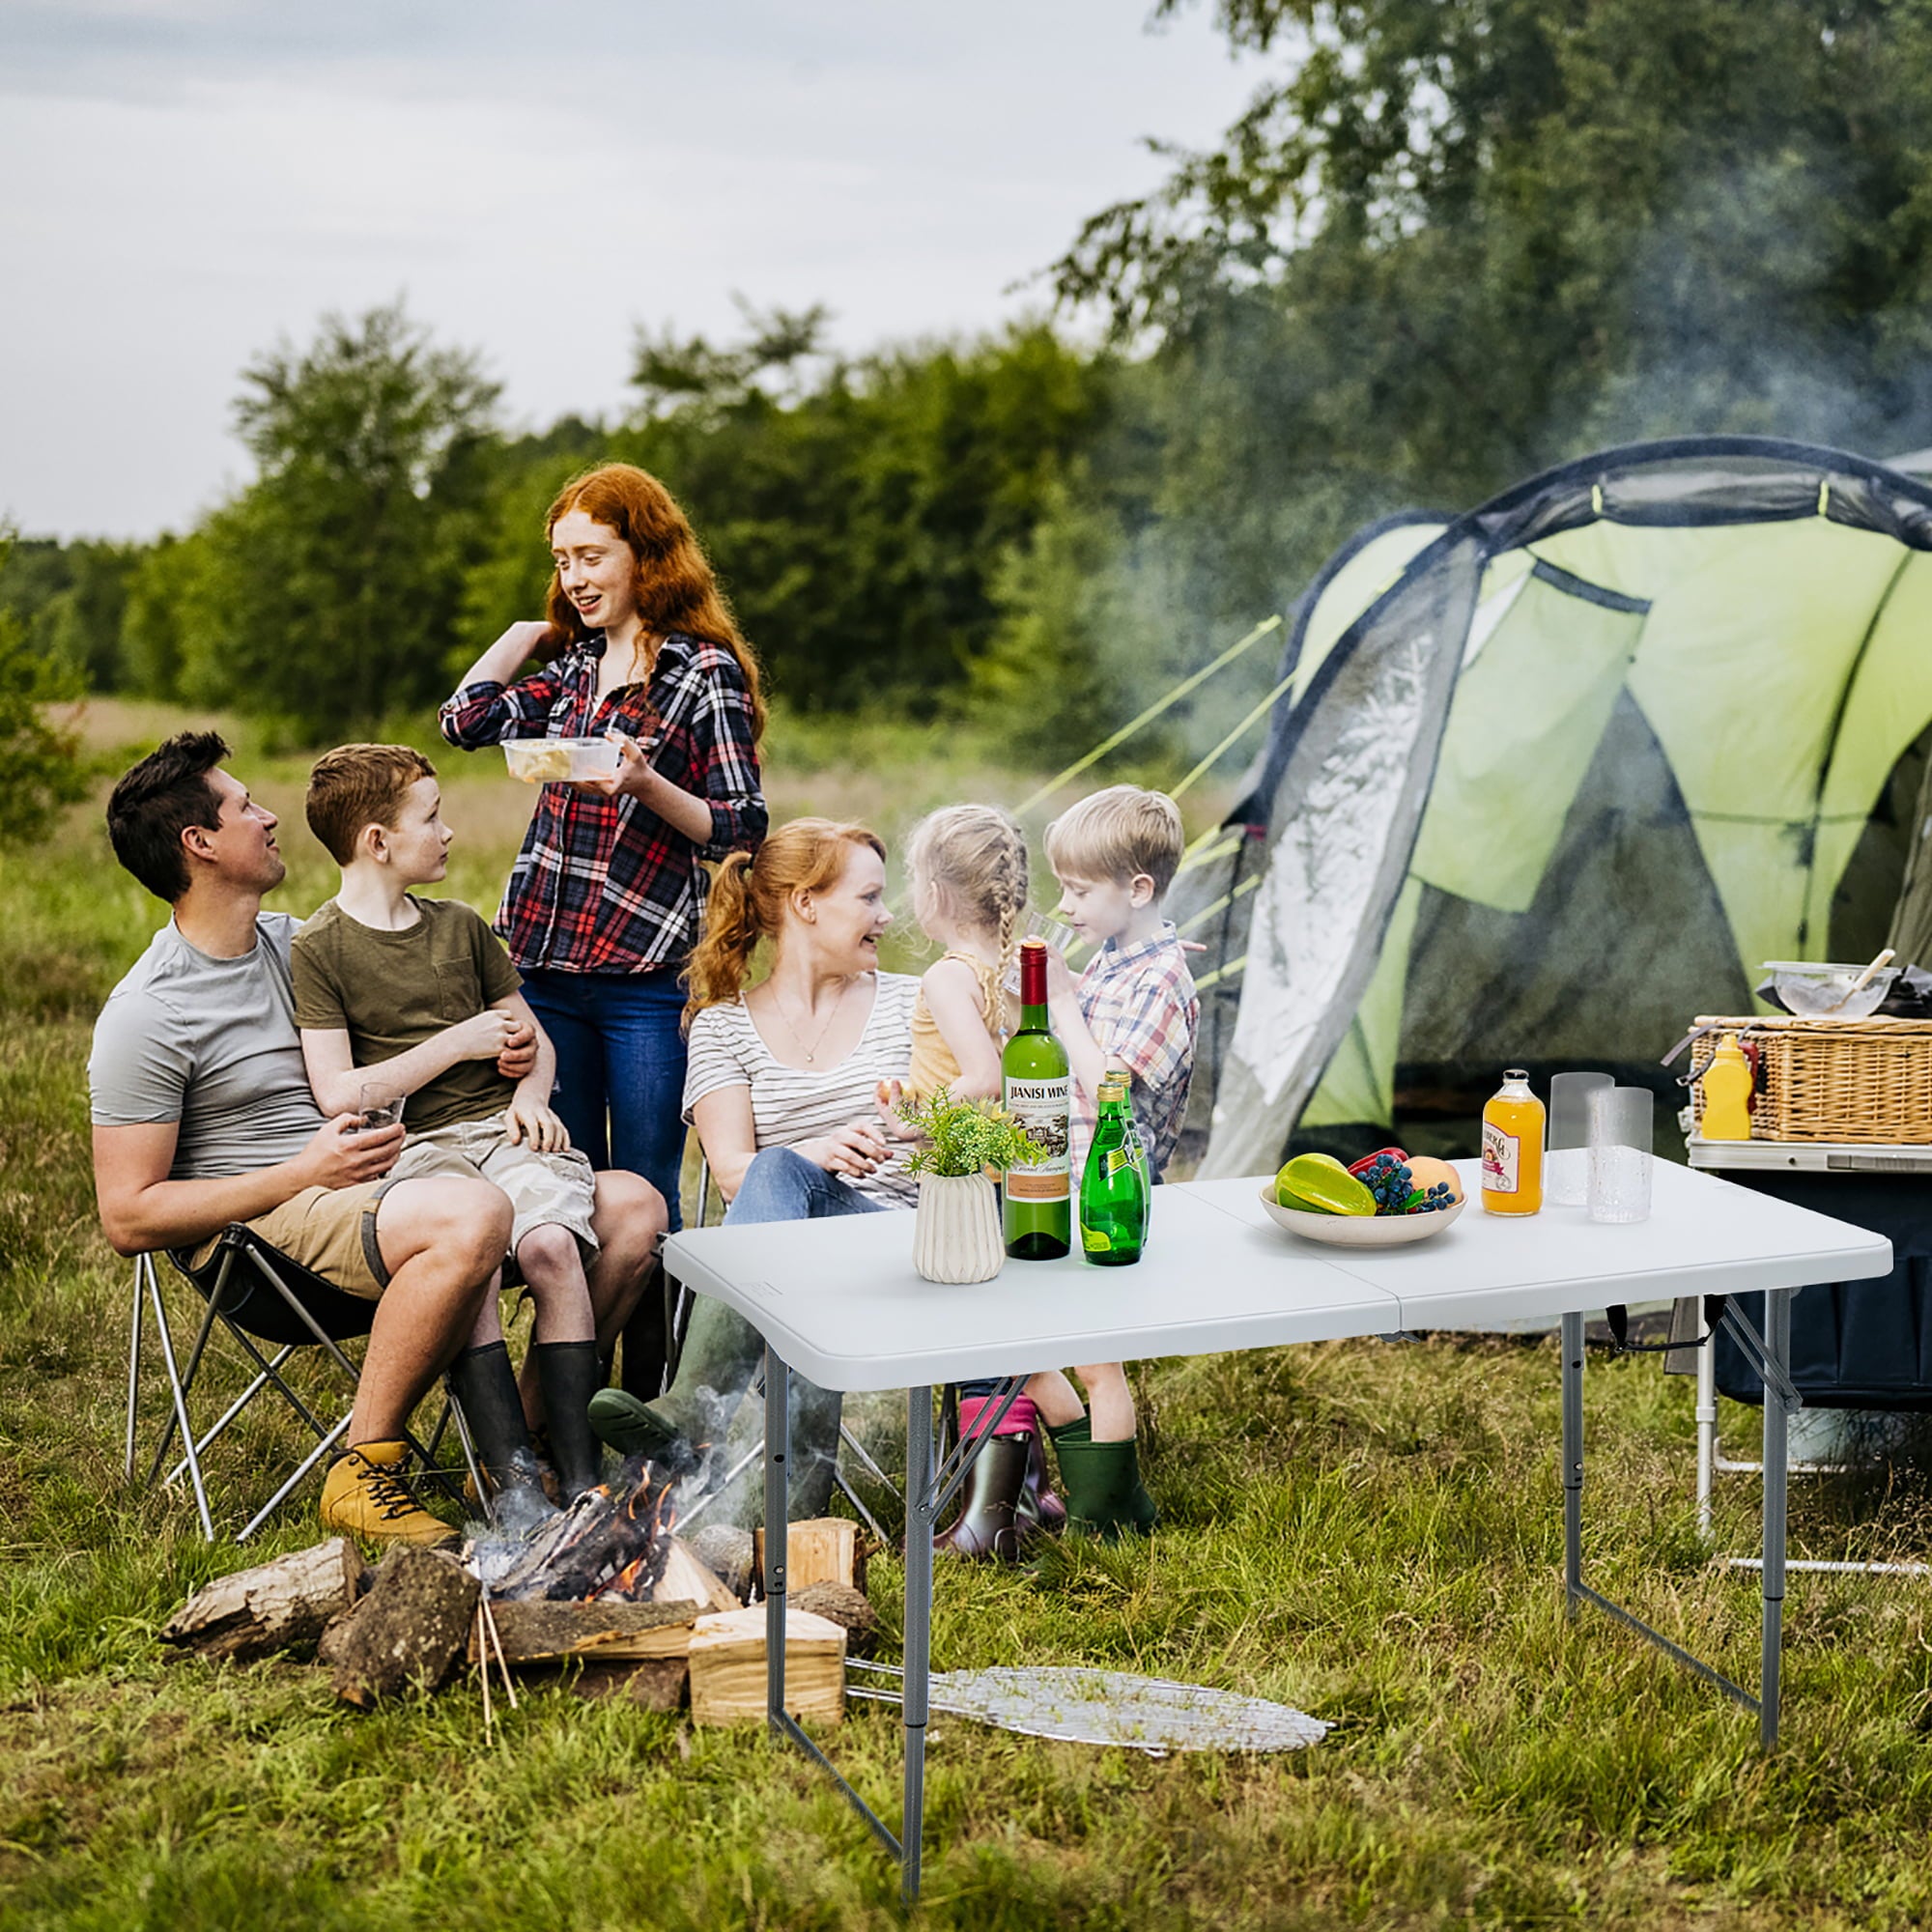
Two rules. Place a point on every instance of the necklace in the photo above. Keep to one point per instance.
(817, 1038)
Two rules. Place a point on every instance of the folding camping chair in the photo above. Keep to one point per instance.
(679, 1301)
(258, 1296)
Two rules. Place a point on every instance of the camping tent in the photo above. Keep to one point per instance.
(1555, 774)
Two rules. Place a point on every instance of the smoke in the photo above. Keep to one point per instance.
(1757, 307)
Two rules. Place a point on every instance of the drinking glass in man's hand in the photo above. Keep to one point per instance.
(380, 1105)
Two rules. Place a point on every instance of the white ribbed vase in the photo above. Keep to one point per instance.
(956, 1230)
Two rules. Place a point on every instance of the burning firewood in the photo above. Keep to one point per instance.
(535, 1630)
(684, 1576)
(611, 1542)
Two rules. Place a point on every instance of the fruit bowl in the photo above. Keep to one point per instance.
(1358, 1231)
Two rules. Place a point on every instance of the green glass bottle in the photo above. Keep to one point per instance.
(1035, 1089)
(1114, 1189)
(1138, 1148)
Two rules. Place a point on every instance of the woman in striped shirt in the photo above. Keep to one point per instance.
(604, 898)
(783, 1087)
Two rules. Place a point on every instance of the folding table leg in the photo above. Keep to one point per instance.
(1778, 1348)
(1573, 1461)
(778, 1453)
(922, 1511)
(1707, 1429)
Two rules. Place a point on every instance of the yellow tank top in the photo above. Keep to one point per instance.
(933, 1065)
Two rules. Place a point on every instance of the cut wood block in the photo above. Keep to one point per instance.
(820, 1550)
(271, 1607)
(727, 1668)
(685, 1578)
(535, 1632)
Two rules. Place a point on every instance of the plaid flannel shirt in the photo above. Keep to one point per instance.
(1140, 1005)
(603, 884)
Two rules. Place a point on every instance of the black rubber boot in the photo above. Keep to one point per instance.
(1105, 1496)
(993, 1485)
(641, 1372)
(485, 1390)
(569, 1375)
(1040, 1511)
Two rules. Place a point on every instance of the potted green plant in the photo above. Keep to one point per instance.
(956, 1230)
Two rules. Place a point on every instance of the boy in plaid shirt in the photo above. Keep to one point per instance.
(1134, 1009)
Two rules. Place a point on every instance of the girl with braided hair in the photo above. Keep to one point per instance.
(968, 868)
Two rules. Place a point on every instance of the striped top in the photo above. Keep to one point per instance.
(791, 1104)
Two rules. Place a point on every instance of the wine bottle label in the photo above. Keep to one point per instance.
(1499, 1160)
(1040, 1107)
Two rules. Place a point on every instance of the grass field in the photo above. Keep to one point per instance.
(1369, 1532)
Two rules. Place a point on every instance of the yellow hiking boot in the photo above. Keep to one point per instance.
(366, 1496)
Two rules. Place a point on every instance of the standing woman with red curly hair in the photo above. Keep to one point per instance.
(606, 898)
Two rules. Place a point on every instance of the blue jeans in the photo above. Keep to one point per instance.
(723, 1351)
(619, 1068)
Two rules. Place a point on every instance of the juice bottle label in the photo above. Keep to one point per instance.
(1040, 1107)
(1499, 1160)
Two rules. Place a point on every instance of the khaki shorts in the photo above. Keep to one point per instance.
(331, 1230)
(545, 1190)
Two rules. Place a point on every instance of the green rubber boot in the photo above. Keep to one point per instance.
(1105, 1496)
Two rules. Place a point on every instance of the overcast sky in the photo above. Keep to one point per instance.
(188, 181)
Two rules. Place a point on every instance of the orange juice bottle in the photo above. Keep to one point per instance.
(1513, 1147)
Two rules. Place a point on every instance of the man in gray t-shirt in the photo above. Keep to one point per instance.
(202, 1116)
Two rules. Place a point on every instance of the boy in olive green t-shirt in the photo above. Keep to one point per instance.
(400, 997)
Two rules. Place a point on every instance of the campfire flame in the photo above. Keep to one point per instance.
(611, 1543)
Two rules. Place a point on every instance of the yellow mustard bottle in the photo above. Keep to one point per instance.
(1513, 1147)
(1727, 1095)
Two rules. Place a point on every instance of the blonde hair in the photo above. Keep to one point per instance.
(978, 854)
(1117, 833)
(749, 894)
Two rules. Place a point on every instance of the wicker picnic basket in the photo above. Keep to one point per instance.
(1832, 1080)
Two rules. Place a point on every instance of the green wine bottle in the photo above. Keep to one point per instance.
(1113, 1189)
(1034, 1089)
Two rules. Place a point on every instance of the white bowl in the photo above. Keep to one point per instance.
(1358, 1231)
(558, 761)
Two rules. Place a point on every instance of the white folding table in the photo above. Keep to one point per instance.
(839, 1301)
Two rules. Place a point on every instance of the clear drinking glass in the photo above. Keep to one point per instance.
(379, 1104)
(1620, 1122)
(1565, 1166)
(1056, 932)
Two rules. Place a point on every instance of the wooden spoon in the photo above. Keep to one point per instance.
(1864, 978)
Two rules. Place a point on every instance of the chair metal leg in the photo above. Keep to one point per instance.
(228, 1415)
(303, 1469)
(184, 1382)
(144, 1268)
(453, 1412)
(180, 1396)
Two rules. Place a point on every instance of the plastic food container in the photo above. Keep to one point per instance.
(556, 760)
(1811, 988)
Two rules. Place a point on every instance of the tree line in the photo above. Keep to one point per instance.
(1451, 241)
